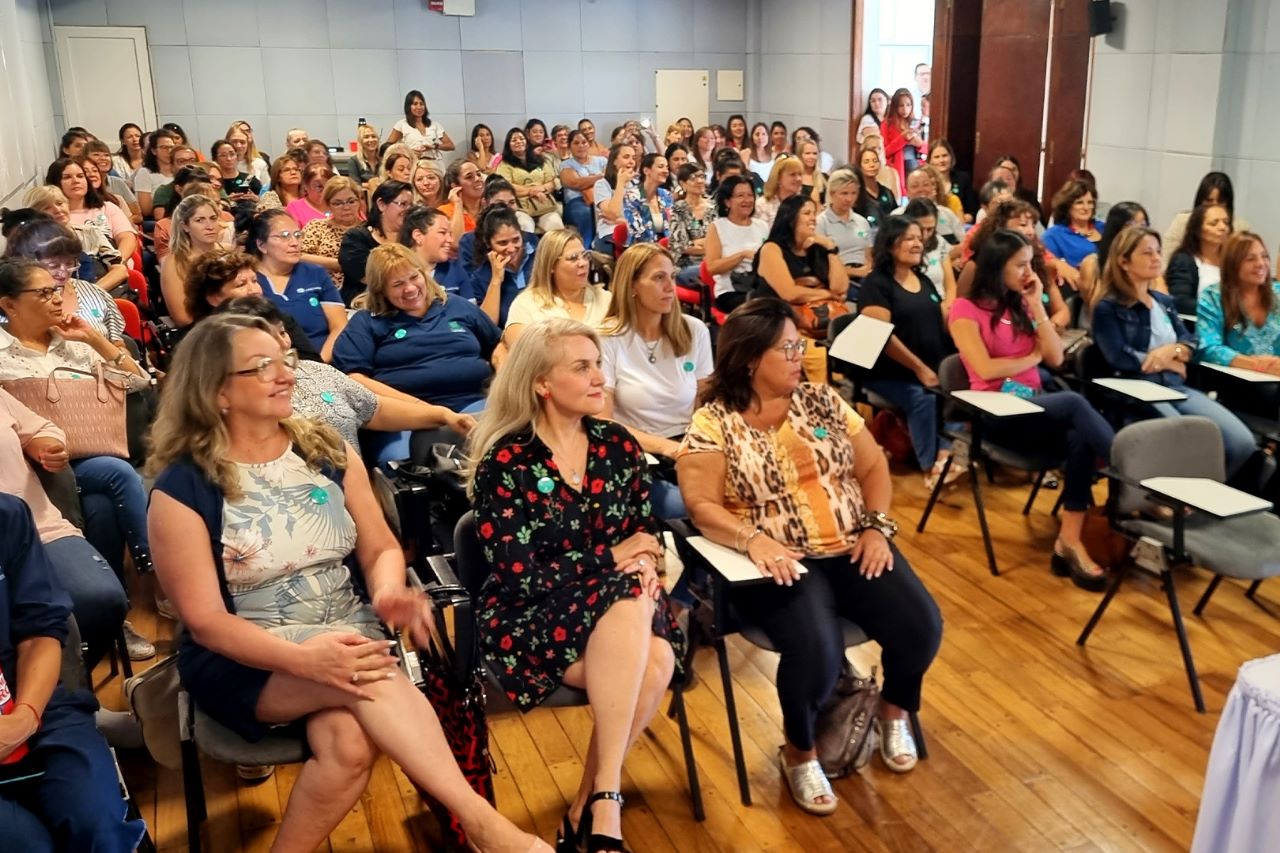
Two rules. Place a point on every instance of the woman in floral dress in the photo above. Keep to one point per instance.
(563, 515)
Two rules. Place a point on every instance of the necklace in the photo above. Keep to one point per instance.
(572, 474)
(653, 349)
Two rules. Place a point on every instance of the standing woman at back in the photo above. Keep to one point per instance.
(425, 137)
(902, 139)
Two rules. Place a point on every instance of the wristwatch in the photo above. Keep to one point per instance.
(876, 520)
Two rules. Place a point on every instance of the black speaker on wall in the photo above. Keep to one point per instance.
(1101, 20)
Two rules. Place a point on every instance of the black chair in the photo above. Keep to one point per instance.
(713, 620)
(469, 570)
(952, 377)
(1240, 545)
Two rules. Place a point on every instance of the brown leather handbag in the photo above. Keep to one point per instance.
(88, 407)
(814, 318)
(844, 735)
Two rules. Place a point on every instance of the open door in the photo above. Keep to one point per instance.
(105, 77)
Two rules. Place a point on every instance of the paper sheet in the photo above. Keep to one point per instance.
(733, 566)
(862, 341)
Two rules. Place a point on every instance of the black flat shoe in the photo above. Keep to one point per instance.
(568, 840)
(601, 843)
(1070, 564)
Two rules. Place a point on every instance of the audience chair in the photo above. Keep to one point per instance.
(952, 378)
(713, 619)
(471, 571)
(1212, 525)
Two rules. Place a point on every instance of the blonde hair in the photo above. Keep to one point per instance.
(189, 423)
(1115, 282)
(441, 195)
(819, 179)
(337, 184)
(840, 179)
(542, 279)
(383, 262)
(392, 153)
(621, 317)
(251, 148)
(942, 189)
(43, 196)
(781, 165)
(359, 155)
(513, 405)
(180, 241)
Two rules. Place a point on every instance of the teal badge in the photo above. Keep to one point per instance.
(313, 302)
(96, 312)
(455, 326)
(934, 297)
(400, 333)
(546, 485)
(327, 396)
(820, 433)
(1044, 297)
(688, 367)
(319, 496)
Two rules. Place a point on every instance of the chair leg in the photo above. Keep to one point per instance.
(1102, 605)
(193, 788)
(1253, 588)
(1208, 593)
(1057, 505)
(982, 520)
(122, 651)
(1035, 490)
(686, 743)
(735, 734)
(1183, 643)
(990, 468)
(922, 749)
(933, 495)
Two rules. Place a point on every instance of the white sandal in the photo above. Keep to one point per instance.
(807, 782)
(896, 741)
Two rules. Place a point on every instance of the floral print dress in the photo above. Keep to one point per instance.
(548, 546)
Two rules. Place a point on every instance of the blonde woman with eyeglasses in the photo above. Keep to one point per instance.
(558, 287)
(322, 237)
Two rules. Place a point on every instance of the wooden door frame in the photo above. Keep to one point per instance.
(856, 105)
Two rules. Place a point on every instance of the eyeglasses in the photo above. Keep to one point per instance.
(347, 203)
(573, 258)
(287, 235)
(45, 293)
(60, 269)
(792, 350)
(263, 369)
(402, 204)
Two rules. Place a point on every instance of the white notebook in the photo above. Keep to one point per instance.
(1142, 389)
(735, 567)
(862, 341)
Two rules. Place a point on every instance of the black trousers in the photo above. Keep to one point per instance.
(803, 623)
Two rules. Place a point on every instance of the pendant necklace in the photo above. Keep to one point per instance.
(653, 350)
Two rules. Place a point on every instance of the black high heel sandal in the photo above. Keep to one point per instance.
(569, 840)
(600, 843)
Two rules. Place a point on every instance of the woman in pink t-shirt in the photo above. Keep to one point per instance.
(89, 210)
(1004, 335)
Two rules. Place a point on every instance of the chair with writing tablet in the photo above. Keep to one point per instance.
(1225, 530)
(1250, 394)
(962, 404)
(713, 620)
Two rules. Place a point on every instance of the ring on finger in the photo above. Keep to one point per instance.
(355, 678)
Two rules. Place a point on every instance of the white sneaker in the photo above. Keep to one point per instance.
(138, 646)
(165, 609)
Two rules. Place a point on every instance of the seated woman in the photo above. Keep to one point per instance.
(415, 338)
(798, 265)
(427, 232)
(1141, 335)
(465, 184)
(481, 152)
(786, 473)
(1004, 334)
(1075, 233)
(759, 155)
(242, 188)
(300, 289)
(39, 337)
(196, 232)
(1214, 188)
(286, 185)
(57, 249)
(558, 287)
(157, 167)
(619, 172)
(732, 242)
(646, 202)
(249, 158)
(362, 166)
(899, 291)
(656, 359)
(574, 596)
(73, 801)
(691, 217)
(813, 179)
(386, 214)
(1020, 216)
(99, 153)
(322, 237)
(957, 184)
(533, 178)
(578, 176)
(936, 264)
(274, 629)
(428, 184)
(924, 184)
(845, 227)
(784, 182)
(99, 261)
(880, 187)
(1194, 264)
(311, 206)
(500, 263)
(88, 210)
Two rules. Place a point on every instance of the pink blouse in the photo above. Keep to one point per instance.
(18, 426)
(1003, 341)
(302, 211)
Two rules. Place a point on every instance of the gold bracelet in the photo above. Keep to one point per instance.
(747, 545)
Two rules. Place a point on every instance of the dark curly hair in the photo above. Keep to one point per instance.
(210, 273)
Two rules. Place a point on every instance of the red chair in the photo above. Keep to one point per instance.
(620, 235)
(708, 294)
(138, 284)
(132, 319)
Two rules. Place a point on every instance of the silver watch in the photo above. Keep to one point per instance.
(876, 520)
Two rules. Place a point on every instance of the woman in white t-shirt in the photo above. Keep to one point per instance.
(558, 287)
(89, 211)
(733, 239)
(656, 359)
(425, 137)
(157, 167)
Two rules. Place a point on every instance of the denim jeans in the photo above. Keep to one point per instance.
(580, 215)
(97, 598)
(1237, 440)
(921, 410)
(690, 276)
(115, 478)
(666, 500)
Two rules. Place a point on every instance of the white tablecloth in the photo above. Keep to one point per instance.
(1240, 809)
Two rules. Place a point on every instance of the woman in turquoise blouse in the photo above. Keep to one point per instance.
(1238, 320)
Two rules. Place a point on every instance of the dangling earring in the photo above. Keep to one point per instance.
(224, 411)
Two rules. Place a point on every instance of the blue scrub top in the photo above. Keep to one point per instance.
(309, 289)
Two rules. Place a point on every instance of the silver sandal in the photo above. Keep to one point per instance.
(896, 741)
(807, 782)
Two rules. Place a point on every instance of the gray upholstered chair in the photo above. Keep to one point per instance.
(1243, 542)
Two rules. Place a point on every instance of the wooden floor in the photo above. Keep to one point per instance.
(1034, 743)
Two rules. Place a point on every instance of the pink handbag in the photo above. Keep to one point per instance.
(88, 407)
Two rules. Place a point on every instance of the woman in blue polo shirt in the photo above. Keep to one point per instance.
(1075, 233)
(303, 291)
(414, 337)
(501, 262)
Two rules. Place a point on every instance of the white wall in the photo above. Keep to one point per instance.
(1181, 90)
(26, 114)
(320, 64)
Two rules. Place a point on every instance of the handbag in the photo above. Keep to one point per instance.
(1103, 542)
(843, 733)
(154, 697)
(814, 318)
(90, 413)
(453, 682)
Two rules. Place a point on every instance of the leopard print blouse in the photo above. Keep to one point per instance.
(323, 237)
(796, 482)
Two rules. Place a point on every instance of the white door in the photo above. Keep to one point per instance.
(681, 94)
(105, 74)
